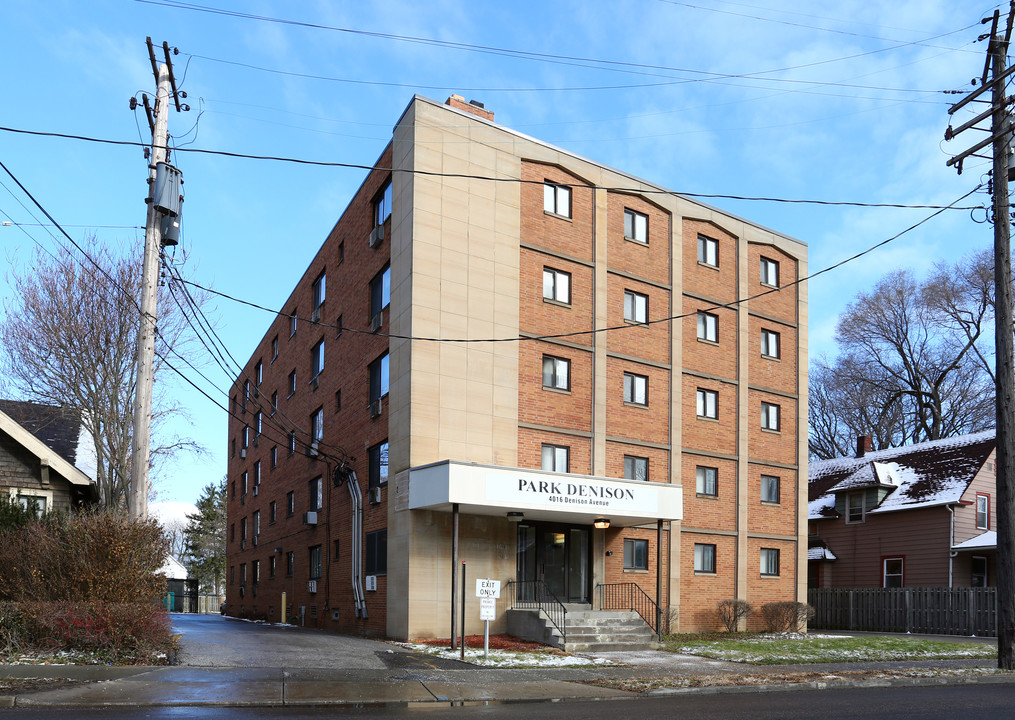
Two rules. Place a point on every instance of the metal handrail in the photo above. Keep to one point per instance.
(535, 595)
(630, 597)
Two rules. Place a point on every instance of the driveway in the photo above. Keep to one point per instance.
(223, 642)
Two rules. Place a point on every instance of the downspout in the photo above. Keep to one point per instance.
(951, 543)
(357, 545)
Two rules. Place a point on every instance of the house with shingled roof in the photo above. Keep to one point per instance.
(915, 516)
(47, 457)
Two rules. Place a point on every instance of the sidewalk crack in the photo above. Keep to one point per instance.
(435, 697)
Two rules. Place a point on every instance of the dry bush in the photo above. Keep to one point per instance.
(786, 616)
(731, 612)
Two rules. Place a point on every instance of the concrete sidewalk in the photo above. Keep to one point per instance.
(413, 678)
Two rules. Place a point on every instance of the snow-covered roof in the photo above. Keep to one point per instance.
(931, 473)
(820, 553)
(173, 569)
(983, 541)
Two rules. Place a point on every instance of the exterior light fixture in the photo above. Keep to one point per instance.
(601, 523)
(515, 516)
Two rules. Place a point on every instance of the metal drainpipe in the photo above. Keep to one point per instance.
(357, 545)
(951, 544)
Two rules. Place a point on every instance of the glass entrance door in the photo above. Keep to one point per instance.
(558, 555)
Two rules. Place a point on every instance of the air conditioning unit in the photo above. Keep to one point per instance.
(371, 582)
(376, 321)
(243, 453)
(311, 586)
(375, 495)
(255, 439)
(243, 499)
(376, 236)
(310, 518)
(253, 541)
(243, 544)
(257, 489)
(256, 392)
(315, 314)
(241, 591)
(376, 408)
(312, 449)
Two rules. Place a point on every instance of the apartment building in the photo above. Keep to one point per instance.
(509, 358)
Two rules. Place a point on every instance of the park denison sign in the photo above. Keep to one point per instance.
(570, 493)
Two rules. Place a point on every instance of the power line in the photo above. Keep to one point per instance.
(467, 176)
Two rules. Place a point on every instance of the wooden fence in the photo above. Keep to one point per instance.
(941, 611)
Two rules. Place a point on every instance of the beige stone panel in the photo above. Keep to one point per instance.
(505, 371)
(453, 324)
(454, 360)
(428, 198)
(506, 218)
(456, 153)
(506, 312)
(482, 213)
(424, 449)
(482, 271)
(427, 228)
(453, 393)
(454, 265)
(425, 262)
(455, 234)
(481, 187)
(480, 329)
(452, 445)
(426, 293)
(506, 253)
(505, 402)
(478, 435)
(479, 394)
(454, 299)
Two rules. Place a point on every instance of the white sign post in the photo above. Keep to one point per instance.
(487, 591)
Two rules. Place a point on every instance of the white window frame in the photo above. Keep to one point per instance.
(556, 373)
(769, 562)
(771, 417)
(317, 428)
(380, 291)
(556, 199)
(635, 226)
(382, 205)
(769, 272)
(704, 558)
(319, 290)
(707, 403)
(316, 494)
(708, 251)
(770, 489)
(770, 342)
(556, 285)
(555, 458)
(635, 554)
(635, 389)
(982, 511)
(985, 575)
(317, 359)
(636, 468)
(706, 481)
(635, 307)
(293, 319)
(708, 327)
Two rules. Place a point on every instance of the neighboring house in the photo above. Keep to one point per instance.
(916, 516)
(641, 425)
(181, 592)
(47, 459)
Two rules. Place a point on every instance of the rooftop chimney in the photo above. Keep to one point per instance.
(472, 106)
(864, 445)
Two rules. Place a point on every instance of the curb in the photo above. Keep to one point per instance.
(836, 685)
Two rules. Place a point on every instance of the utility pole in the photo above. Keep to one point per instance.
(1000, 139)
(158, 118)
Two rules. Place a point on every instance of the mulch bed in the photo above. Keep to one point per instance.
(497, 642)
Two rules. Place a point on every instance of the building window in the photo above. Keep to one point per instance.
(854, 507)
(708, 403)
(338, 401)
(377, 552)
(382, 205)
(290, 563)
(769, 562)
(378, 464)
(290, 503)
(635, 307)
(635, 554)
(770, 489)
(272, 512)
(316, 428)
(246, 395)
(257, 476)
(232, 532)
(635, 468)
(274, 402)
(341, 253)
(892, 570)
(556, 373)
(380, 291)
(257, 523)
(982, 511)
(292, 322)
(635, 226)
(316, 494)
(770, 416)
(379, 378)
(232, 444)
(339, 326)
(292, 383)
(556, 285)
(258, 420)
(274, 348)
(243, 528)
(708, 251)
(243, 483)
(557, 199)
(635, 389)
(979, 568)
(33, 503)
(292, 442)
(769, 272)
(243, 574)
(245, 437)
(555, 458)
(316, 360)
(271, 567)
(770, 343)
(706, 481)
(258, 373)
(708, 327)
(274, 457)
(315, 563)
(704, 558)
(334, 552)
(319, 285)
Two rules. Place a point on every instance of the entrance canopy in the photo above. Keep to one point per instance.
(540, 495)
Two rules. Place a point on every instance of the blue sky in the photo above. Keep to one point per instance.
(832, 101)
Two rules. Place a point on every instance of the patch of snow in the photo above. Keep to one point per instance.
(508, 658)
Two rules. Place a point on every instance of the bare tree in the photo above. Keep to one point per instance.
(914, 364)
(69, 338)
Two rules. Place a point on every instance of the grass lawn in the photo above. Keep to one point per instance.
(787, 649)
